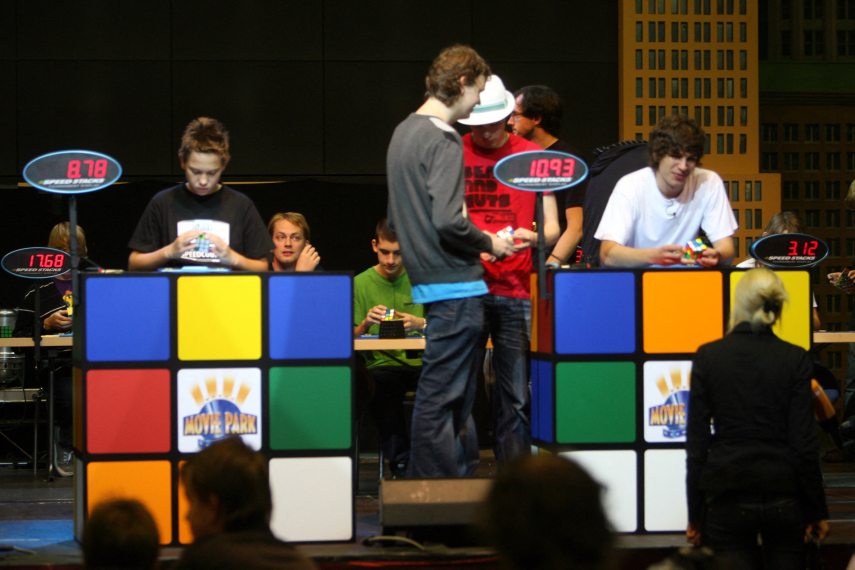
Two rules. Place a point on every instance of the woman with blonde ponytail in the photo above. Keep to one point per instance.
(752, 452)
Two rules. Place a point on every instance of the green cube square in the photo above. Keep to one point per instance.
(595, 402)
(310, 407)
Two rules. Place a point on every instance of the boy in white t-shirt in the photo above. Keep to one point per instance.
(655, 211)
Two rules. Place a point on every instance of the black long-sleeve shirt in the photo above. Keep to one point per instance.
(756, 390)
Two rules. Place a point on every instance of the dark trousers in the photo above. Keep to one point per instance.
(391, 384)
(753, 531)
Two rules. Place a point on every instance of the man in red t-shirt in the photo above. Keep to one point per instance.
(492, 206)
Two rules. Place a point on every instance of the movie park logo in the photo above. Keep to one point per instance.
(672, 414)
(220, 411)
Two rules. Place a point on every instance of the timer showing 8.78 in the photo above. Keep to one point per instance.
(88, 168)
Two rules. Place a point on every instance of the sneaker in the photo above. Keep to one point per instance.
(64, 461)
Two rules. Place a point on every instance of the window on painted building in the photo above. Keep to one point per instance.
(832, 161)
(749, 191)
(719, 32)
(699, 119)
(728, 32)
(850, 245)
(639, 87)
(719, 59)
(812, 218)
(684, 88)
(791, 133)
(833, 247)
(707, 59)
(811, 161)
(786, 43)
(706, 124)
(832, 190)
(743, 116)
(743, 144)
(791, 161)
(846, 43)
(813, 9)
(832, 218)
(812, 133)
(698, 33)
(850, 222)
(736, 246)
(811, 190)
(734, 191)
(736, 215)
(639, 115)
(728, 58)
(758, 218)
(758, 190)
(743, 32)
(850, 161)
(639, 59)
(813, 42)
(639, 6)
(719, 143)
(850, 133)
(769, 132)
(846, 9)
(707, 88)
(790, 190)
(749, 220)
(785, 9)
(743, 88)
(769, 161)
(832, 133)
(707, 143)
(743, 60)
(743, 7)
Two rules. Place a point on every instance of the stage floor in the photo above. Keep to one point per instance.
(36, 517)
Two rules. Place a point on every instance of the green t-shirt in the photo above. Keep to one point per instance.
(370, 289)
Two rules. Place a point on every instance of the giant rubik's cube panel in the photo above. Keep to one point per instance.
(167, 363)
(611, 375)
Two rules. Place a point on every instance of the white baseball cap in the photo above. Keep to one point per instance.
(496, 103)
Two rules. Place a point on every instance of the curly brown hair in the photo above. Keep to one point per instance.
(674, 135)
(452, 63)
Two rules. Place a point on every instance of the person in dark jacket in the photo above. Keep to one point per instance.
(230, 504)
(753, 482)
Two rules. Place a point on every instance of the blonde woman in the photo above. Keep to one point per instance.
(757, 472)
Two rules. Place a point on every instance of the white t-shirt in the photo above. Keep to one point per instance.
(639, 216)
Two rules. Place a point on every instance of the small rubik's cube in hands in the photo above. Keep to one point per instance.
(506, 234)
(694, 249)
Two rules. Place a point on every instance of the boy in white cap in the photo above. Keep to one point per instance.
(441, 249)
(507, 308)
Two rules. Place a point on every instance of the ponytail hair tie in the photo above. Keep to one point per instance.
(771, 306)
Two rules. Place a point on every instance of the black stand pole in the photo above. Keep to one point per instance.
(541, 249)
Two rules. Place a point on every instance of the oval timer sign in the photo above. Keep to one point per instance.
(36, 262)
(541, 170)
(72, 171)
(789, 250)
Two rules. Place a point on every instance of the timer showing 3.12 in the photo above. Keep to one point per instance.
(796, 247)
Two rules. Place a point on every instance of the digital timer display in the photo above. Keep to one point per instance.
(47, 260)
(36, 262)
(540, 170)
(789, 250)
(72, 171)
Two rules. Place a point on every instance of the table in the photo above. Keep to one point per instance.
(409, 343)
(833, 336)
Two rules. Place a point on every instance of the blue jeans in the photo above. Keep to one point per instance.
(508, 322)
(733, 525)
(443, 440)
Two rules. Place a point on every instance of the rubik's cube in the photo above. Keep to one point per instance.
(694, 249)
